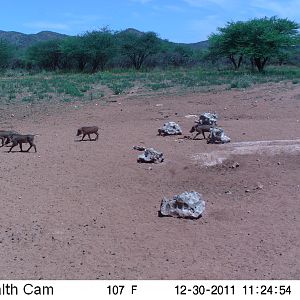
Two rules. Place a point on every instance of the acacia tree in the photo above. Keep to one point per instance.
(229, 42)
(100, 47)
(269, 38)
(258, 39)
(137, 47)
(46, 55)
(74, 53)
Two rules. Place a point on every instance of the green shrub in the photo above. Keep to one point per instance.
(242, 82)
(157, 86)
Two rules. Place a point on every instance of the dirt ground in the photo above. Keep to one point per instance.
(88, 210)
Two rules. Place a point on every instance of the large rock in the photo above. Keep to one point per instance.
(217, 135)
(185, 205)
(151, 156)
(208, 119)
(170, 128)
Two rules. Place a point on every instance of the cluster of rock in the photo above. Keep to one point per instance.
(186, 205)
(216, 134)
(153, 156)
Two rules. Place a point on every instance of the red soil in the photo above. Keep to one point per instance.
(87, 210)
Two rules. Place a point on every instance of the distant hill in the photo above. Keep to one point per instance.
(133, 31)
(199, 45)
(22, 40)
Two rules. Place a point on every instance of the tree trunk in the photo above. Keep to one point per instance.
(236, 64)
(240, 61)
(260, 63)
(231, 57)
(252, 64)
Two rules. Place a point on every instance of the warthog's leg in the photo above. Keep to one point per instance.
(31, 145)
(196, 135)
(12, 146)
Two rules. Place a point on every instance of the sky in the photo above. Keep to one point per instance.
(184, 21)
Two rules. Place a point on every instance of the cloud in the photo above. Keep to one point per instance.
(73, 19)
(71, 24)
(205, 3)
(45, 25)
(174, 8)
(284, 9)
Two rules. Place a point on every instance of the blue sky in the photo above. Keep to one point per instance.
(184, 21)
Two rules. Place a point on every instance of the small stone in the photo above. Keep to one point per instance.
(279, 163)
(247, 191)
(259, 186)
(139, 148)
(228, 192)
(191, 116)
(235, 165)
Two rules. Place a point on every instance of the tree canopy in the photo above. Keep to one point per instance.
(258, 39)
(46, 54)
(138, 47)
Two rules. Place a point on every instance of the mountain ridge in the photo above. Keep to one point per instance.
(23, 40)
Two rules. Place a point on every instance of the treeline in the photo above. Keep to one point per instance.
(100, 50)
(251, 43)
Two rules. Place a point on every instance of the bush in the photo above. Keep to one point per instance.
(241, 83)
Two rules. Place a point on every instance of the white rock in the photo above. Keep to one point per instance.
(185, 205)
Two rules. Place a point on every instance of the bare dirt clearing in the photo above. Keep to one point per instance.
(87, 210)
